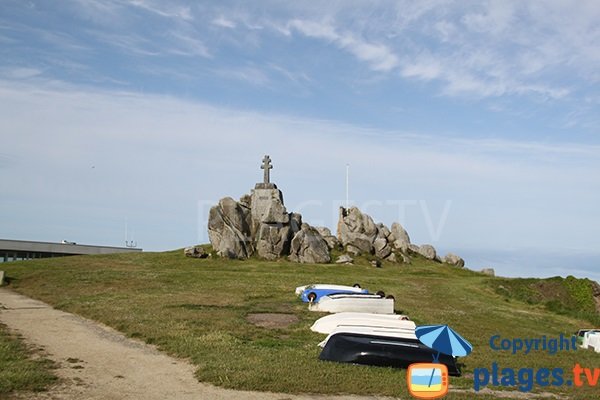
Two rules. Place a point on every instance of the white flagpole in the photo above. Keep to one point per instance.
(347, 180)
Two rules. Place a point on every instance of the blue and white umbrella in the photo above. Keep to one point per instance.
(443, 339)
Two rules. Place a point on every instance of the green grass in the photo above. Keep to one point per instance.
(196, 309)
(568, 296)
(18, 370)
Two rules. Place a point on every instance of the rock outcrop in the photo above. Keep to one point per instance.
(400, 241)
(427, 251)
(344, 259)
(273, 241)
(195, 252)
(308, 246)
(259, 224)
(360, 235)
(229, 229)
(332, 241)
(454, 260)
(381, 244)
(357, 230)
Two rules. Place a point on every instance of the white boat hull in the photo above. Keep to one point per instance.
(328, 323)
(353, 303)
(372, 331)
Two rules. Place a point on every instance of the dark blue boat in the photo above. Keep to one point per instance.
(382, 351)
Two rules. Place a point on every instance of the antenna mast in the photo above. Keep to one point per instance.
(347, 180)
(129, 243)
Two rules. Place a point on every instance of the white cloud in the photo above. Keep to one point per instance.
(129, 43)
(20, 72)
(423, 67)
(495, 18)
(296, 77)
(187, 45)
(252, 75)
(488, 49)
(223, 22)
(377, 55)
(183, 13)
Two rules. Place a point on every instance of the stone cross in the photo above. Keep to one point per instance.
(266, 166)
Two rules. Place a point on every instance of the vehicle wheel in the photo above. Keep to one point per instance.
(389, 296)
(381, 293)
(356, 285)
(312, 296)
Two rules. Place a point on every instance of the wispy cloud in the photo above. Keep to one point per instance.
(490, 49)
(187, 45)
(19, 72)
(296, 77)
(158, 8)
(249, 74)
(377, 55)
(129, 43)
(223, 22)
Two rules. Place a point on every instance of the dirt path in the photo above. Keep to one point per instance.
(97, 362)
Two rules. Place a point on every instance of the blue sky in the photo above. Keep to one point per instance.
(475, 124)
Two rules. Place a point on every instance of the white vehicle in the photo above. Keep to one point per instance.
(328, 323)
(593, 341)
(372, 331)
(356, 288)
(588, 338)
(365, 303)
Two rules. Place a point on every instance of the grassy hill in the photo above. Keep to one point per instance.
(197, 309)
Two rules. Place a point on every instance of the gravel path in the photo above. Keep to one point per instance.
(97, 362)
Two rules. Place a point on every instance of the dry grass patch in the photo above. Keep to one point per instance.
(272, 320)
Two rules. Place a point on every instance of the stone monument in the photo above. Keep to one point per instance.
(260, 224)
(270, 220)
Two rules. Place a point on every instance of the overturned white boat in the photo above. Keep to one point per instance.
(342, 288)
(328, 323)
(396, 333)
(364, 303)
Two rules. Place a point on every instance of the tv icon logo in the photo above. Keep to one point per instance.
(427, 380)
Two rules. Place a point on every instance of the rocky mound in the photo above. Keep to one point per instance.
(259, 224)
